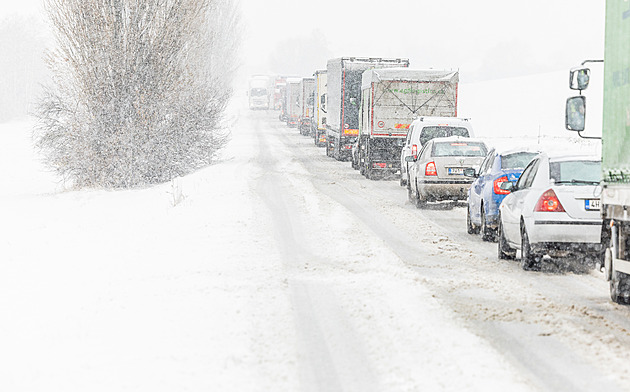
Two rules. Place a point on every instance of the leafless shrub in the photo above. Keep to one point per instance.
(133, 100)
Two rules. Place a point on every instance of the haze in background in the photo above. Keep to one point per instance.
(484, 39)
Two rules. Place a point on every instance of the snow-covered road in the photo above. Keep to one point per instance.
(557, 328)
(281, 269)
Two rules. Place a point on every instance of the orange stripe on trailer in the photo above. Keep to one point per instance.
(402, 126)
(351, 132)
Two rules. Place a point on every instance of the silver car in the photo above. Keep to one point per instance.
(438, 172)
(552, 210)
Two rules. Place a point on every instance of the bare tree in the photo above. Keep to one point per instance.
(133, 102)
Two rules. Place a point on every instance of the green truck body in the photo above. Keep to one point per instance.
(616, 125)
(615, 196)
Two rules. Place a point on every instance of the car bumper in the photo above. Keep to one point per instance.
(574, 232)
(436, 191)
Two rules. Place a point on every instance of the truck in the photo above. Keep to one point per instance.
(319, 121)
(344, 98)
(292, 102)
(391, 98)
(258, 92)
(615, 185)
(306, 101)
(279, 85)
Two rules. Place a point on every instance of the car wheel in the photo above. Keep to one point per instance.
(419, 200)
(487, 233)
(410, 194)
(529, 260)
(470, 228)
(504, 250)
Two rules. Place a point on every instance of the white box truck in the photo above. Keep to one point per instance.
(391, 99)
(292, 102)
(344, 98)
(306, 100)
(319, 122)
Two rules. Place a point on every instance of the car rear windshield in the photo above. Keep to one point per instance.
(459, 149)
(518, 160)
(576, 172)
(433, 132)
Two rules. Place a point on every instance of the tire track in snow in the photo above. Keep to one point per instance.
(333, 358)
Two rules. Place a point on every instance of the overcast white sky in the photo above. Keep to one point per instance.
(484, 39)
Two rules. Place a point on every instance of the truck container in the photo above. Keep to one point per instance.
(306, 101)
(258, 92)
(344, 99)
(279, 84)
(292, 102)
(391, 99)
(615, 193)
(319, 122)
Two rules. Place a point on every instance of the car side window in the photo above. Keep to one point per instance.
(487, 163)
(532, 174)
(523, 181)
(409, 135)
(425, 148)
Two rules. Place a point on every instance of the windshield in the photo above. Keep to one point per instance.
(575, 172)
(433, 132)
(459, 149)
(517, 160)
(258, 92)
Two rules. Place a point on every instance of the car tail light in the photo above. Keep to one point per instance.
(497, 186)
(414, 150)
(430, 169)
(549, 202)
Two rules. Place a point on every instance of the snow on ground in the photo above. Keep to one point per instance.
(224, 290)
(127, 290)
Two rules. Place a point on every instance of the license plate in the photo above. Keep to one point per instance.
(591, 204)
(458, 171)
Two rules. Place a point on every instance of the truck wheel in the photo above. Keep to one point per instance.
(620, 287)
(470, 228)
(504, 250)
(529, 260)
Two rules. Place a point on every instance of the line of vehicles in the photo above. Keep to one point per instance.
(391, 121)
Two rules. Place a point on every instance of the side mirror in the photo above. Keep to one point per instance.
(470, 172)
(579, 78)
(410, 158)
(575, 113)
(508, 186)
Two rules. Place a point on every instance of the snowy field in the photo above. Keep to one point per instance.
(237, 285)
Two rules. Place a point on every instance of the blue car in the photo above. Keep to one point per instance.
(485, 194)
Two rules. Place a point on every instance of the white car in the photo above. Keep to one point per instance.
(437, 173)
(552, 210)
(424, 129)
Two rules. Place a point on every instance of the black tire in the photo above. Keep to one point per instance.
(504, 250)
(410, 194)
(620, 288)
(487, 233)
(419, 201)
(529, 260)
(470, 228)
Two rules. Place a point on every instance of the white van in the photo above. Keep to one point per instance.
(424, 129)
